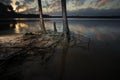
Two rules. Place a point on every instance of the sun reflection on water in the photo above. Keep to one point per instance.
(20, 26)
(11, 25)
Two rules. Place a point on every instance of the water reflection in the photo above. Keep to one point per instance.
(11, 25)
(73, 62)
(20, 27)
(7, 27)
(63, 58)
(100, 30)
(23, 27)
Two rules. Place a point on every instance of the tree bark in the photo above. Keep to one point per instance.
(41, 17)
(55, 29)
(65, 21)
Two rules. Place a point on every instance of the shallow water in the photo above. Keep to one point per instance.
(98, 62)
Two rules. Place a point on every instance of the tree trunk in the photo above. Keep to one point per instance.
(41, 17)
(55, 29)
(65, 21)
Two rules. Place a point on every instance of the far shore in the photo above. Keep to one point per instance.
(60, 18)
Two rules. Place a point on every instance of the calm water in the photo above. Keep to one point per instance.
(100, 62)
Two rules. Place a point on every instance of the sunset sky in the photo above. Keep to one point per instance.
(74, 7)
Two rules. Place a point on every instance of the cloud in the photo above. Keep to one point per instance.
(102, 2)
(28, 11)
(95, 12)
(73, 6)
(13, 3)
(23, 5)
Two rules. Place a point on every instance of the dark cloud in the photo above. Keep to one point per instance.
(7, 2)
(29, 1)
(77, 2)
(95, 12)
(81, 7)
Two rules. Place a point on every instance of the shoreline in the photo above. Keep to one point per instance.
(37, 19)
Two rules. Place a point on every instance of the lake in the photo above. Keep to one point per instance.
(100, 62)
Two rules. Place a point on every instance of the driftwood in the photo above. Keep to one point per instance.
(36, 43)
(42, 43)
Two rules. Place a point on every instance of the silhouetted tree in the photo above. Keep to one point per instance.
(65, 21)
(6, 10)
(41, 17)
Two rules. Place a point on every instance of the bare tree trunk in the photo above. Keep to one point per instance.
(55, 29)
(65, 21)
(41, 17)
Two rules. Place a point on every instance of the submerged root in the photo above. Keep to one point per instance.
(37, 44)
(28, 44)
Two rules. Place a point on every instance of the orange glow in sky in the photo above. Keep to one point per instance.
(14, 4)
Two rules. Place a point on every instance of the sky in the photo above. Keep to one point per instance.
(74, 7)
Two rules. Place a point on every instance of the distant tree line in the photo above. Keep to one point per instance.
(6, 11)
